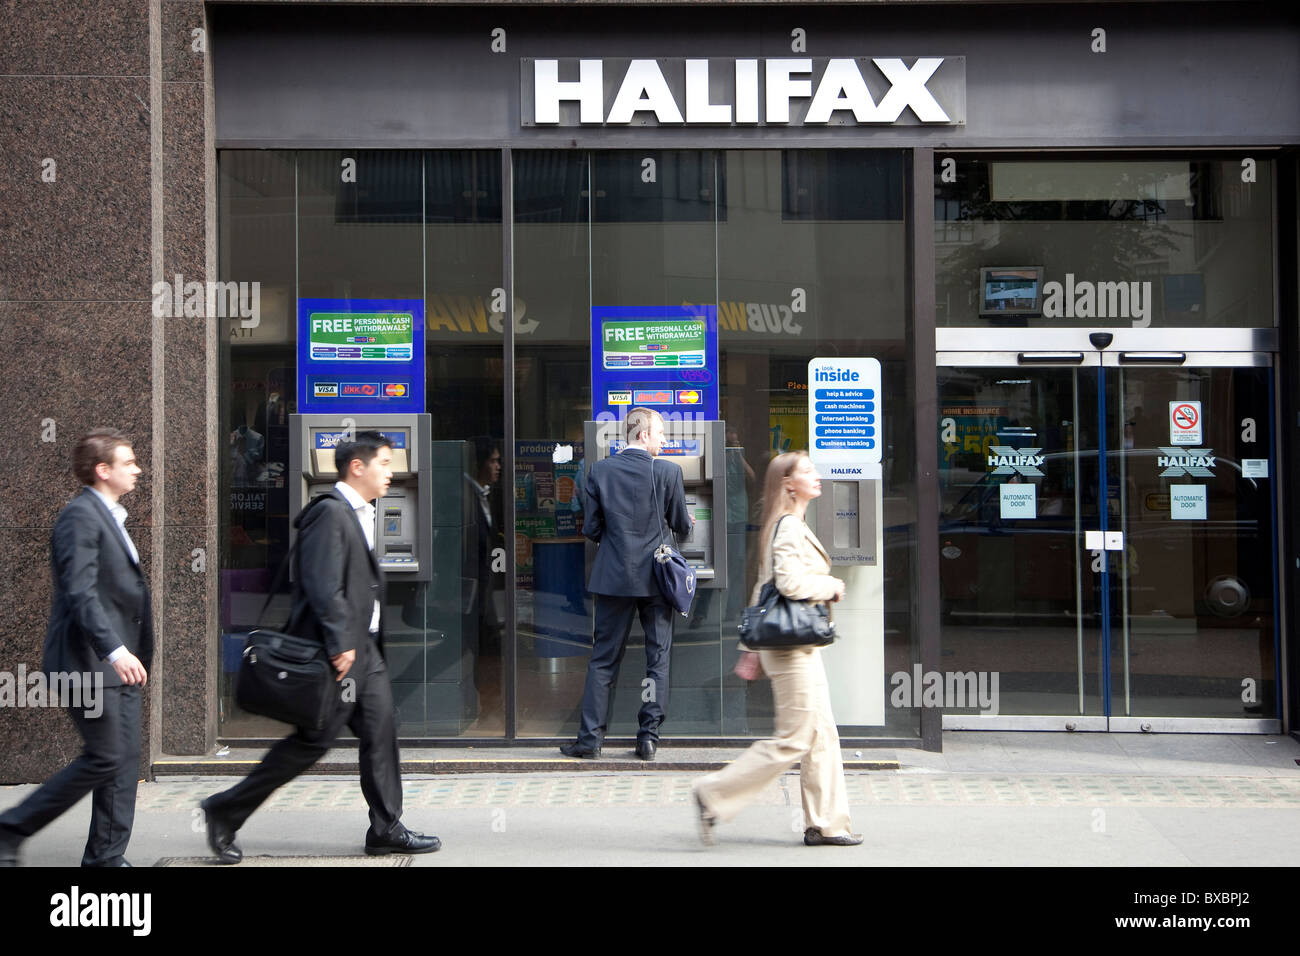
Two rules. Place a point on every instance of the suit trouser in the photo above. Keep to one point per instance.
(613, 624)
(805, 733)
(109, 765)
(370, 716)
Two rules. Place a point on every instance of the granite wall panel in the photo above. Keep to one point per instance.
(82, 37)
(181, 61)
(189, 655)
(86, 234)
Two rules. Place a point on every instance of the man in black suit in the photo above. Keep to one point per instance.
(101, 629)
(623, 518)
(338, 597)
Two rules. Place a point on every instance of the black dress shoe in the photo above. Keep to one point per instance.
(9, 852)
(813, 837)
(121, 861)
(221, 836)
(582, 753)
(404, 841)
(645, 749)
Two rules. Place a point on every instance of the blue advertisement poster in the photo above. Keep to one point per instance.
(660, 357)
(360, 355)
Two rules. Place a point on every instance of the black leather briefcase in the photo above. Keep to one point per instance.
(286, 677)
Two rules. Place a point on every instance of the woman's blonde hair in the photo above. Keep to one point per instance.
(777, 501)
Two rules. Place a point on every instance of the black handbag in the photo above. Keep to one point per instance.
(676, 578)
(284, 676)
(777, 621)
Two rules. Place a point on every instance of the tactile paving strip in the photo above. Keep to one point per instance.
(660, 789)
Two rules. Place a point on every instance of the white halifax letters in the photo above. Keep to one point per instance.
(684, 92)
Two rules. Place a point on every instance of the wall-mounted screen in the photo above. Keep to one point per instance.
(1011, 290)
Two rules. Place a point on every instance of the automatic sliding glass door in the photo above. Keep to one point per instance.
(1018, 460)
(1190, 472)
(1107, 553)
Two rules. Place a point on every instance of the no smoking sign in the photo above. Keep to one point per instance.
(1185, 423)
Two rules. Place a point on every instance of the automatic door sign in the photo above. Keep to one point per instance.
(1187, 502)
(1018, 499)
(1185, 423)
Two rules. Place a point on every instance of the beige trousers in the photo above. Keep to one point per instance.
(805, 734)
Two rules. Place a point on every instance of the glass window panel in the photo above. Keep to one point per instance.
(457, 622)
(1164, 243)
(376, 224)
(552, 268)
(256, 242)
(811, 263)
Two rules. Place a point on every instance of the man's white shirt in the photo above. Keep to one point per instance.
(365, 513)
(119, 515)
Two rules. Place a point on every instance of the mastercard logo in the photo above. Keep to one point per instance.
(394, 390)
(688, 397)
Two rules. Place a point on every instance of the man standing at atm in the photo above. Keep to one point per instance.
(622, 516)
(338, 597)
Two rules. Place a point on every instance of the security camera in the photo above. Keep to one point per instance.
(1100, 340)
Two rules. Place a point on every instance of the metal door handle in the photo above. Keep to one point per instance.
(1152, 358)
(1050, 358)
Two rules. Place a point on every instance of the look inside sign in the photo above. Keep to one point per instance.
(844, 417)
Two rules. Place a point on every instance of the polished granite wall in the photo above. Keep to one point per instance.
(99, 197)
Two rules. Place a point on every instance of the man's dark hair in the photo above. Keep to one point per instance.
(97, 447)
(484, 446)
(364, 446)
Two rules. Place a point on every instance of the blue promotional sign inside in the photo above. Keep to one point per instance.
(660, 357)
(360, 355)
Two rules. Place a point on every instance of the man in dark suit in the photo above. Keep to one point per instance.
(101, 630)
(338, 597)
(624, 519)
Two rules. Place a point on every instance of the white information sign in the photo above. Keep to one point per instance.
(845, 417)
(1187, 502)
(1019, 499)
(1185, 423)
(1254, 467)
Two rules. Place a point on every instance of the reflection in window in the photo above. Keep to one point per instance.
(1196, 238)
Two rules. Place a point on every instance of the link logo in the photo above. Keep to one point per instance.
(1178, 462)
(1015, 461)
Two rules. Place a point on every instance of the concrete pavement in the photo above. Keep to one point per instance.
(1000, 799)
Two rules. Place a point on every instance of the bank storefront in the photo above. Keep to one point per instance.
(486, 232)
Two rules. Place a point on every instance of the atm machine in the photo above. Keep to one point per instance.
(403, 545)
(699, 449)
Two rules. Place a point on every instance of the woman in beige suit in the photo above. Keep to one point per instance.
(805, 727)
